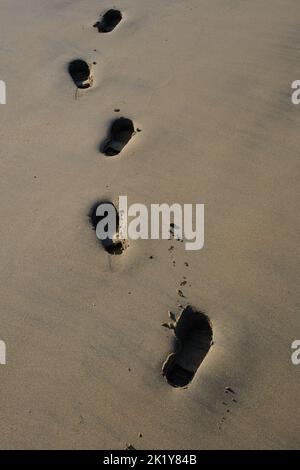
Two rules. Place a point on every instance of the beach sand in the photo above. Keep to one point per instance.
(208, 82)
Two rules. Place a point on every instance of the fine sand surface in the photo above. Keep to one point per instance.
(208, 82)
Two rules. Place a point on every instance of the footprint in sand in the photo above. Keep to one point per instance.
(99, 211)
(109, 21)
(193, 339)
(120, 133)
(81, 74)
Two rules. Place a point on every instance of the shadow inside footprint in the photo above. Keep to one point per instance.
(109, 21)
(81, 73)
(193, 338)
(121, 132)
(111, 244)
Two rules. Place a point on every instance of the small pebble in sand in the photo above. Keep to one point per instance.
(129, 447)
(229, 389)
(180, 293)
(186, 264)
